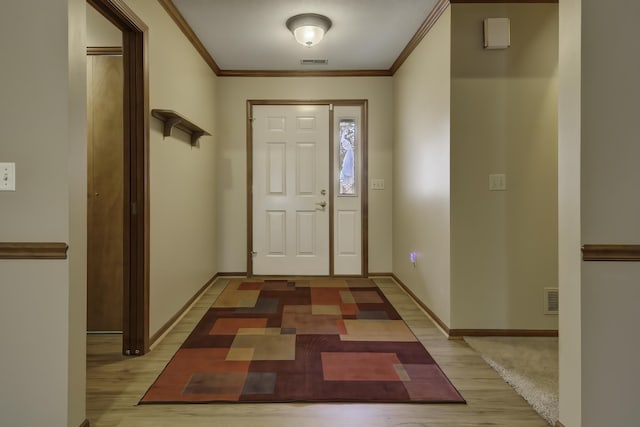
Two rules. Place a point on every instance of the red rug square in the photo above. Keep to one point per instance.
(359, 366)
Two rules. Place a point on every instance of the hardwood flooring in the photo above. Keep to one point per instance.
(116, 383)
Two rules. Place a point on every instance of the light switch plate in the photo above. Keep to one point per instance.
(377, 184)
(7, 177)
(497, 182)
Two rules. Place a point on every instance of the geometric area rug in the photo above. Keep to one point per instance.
(308, 340)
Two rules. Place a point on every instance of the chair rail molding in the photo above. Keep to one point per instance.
(614, 252)
(33, 250)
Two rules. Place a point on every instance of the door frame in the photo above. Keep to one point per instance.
(135, 325)
(364, 208)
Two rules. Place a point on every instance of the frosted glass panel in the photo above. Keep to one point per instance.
(347, 149)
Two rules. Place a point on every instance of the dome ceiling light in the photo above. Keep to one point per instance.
(308, 28)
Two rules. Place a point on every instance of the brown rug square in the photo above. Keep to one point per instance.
(325, 340)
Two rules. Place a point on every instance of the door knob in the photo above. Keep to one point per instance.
(322, 204)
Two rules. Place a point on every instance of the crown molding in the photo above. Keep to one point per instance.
(304, 73)
(186, 29)
(428, 23)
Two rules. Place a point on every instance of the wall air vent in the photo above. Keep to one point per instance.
(314, 62)
(551, 301)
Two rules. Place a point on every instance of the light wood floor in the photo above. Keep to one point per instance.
(116, 383)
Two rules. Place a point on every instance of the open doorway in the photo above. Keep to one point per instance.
(130, 232)
(105, 176)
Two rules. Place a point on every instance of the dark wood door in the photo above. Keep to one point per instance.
(105, 193)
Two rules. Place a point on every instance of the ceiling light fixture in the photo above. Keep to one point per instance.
(308, 28)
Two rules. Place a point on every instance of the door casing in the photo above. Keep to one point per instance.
(136, 173)
(363, 103)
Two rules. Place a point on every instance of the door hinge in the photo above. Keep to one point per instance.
(330, 107)
(133, 208)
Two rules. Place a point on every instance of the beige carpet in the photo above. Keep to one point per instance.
(530, 365)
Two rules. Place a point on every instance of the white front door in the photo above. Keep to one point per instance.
(291, 189)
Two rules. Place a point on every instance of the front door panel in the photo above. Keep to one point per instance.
(290, 175)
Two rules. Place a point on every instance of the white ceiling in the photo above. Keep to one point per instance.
(251, 34)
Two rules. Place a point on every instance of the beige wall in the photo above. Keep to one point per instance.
(100, 31)
(500, 109)
(42, 116)
(421, 169)
(44, 123)
(232, 172)
(182, 178)
(569, 212)
(610, 210)
(504, 120)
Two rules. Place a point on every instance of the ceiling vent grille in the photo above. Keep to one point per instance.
(314, 62)
(551, 301)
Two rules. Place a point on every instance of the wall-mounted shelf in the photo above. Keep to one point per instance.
(172, 119)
